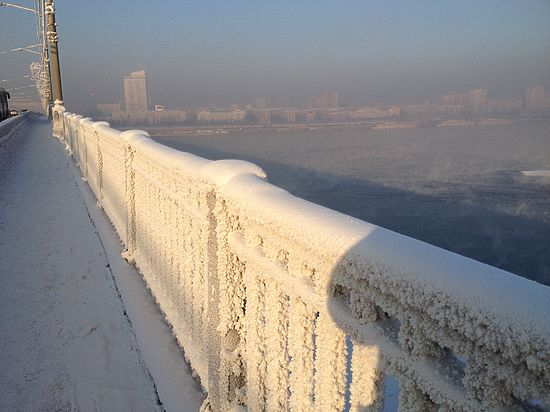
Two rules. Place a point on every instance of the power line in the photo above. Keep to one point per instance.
(40, 70)
(16, 78)
(22, 87)
(25, 48)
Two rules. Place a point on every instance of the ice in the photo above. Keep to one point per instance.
(542, 173)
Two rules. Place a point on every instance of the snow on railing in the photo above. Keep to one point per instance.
(279, 303)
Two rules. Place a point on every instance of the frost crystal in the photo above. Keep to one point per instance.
(283, 304)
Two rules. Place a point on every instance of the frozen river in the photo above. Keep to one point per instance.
(460, 188)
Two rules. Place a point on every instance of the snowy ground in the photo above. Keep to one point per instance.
(78, 329)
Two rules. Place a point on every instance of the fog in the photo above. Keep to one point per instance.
(200, 53)
(460, 188)
(435, 181)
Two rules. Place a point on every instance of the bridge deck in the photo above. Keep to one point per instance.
(65, 341)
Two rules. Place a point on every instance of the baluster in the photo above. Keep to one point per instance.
(277, 358)
(301, 351)
(255, 342)
(330, 365)
(130, 196)
(367, 382)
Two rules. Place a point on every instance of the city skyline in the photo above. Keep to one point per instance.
(467, 105)
(136, 90)
(200, 53)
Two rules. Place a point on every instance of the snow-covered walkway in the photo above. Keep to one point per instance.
(78, 330)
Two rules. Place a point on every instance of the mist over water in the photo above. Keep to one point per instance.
(459, 188)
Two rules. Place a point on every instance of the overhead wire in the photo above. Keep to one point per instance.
(27, 48)
(22, 87)
(39, 69)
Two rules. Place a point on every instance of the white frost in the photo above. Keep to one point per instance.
(265, 290)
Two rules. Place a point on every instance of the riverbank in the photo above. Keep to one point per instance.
(210, 130)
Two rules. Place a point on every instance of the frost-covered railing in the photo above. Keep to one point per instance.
(283, 304)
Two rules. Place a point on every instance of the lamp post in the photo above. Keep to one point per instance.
(17, 6)
(45, 92)
(51, 32)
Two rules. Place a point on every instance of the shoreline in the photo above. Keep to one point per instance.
(209, 130)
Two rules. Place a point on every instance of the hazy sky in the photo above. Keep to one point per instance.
(203, 52)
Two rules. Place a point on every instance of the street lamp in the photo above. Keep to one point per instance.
(17, 6)
(46, 30)
(58, 109)
(40, 74)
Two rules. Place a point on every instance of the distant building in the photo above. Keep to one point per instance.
(333, 100)
(324, 100)
(450, 110)
(277, 116)
(419, 111)
(477, 101)
(159, 108)
(454, 99)
(233, 116)
(107, 109)
(535, 98)
(374, 112)
(264, 116)
(261, 103)
(290, 116)
(156, 118)
(504, 106)
(282, 101)
(474, 101)
(336, 116)
(136, 93)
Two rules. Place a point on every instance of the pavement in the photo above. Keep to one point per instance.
(78, 328)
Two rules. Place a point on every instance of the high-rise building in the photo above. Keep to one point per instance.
(333, 100)
(324, 100)
(535, 98)
(477, 100)
(454, 99)
(135, 92)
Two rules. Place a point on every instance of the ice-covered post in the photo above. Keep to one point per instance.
(58, 108)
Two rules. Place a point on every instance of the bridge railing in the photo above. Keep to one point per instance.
(279, 303)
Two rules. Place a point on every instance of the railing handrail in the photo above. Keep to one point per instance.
(355, 276)
(522, 301)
